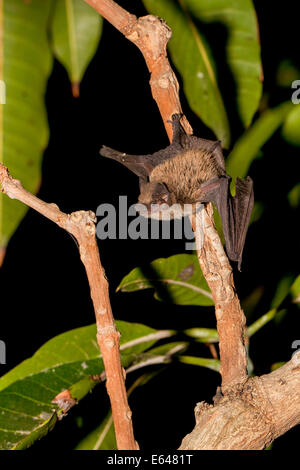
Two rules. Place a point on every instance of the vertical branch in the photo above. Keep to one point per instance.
(231, 321)
(151, 35)
(81, 225)
(108, 337)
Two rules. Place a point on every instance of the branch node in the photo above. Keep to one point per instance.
(54, 206)
(150, 34)
(109, 343)
(101, 311)
(106, 330)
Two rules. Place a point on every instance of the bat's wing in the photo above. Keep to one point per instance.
(234, 211)
(141, 165)
(241, 209)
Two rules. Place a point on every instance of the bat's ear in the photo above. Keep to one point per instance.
(179, 133)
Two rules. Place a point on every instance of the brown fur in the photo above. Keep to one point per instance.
(184, 173)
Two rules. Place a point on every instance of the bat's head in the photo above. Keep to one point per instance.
(157, 202)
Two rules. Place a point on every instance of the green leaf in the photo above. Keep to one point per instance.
(295, 291)
(282, 290)
(257, 212)
(263, 320)
(81, 345)
(101, 438)
(286, 286)
(25, 66)
(291, 126)
(247, 148)
(250, 302)
(287, 73)
(203, 335)
(276, 365)
(242, 47)
(76, 31)
(69, 363)
(192, 58)
(273, 314)
(213, 364)
(159, 355)
(177, 279)
(294, 196)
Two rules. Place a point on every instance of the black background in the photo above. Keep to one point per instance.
(44, 290)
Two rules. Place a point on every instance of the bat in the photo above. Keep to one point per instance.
(191, 170)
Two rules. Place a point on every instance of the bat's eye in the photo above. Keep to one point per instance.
(164, 198)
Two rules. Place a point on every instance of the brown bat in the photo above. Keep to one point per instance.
(189, 171)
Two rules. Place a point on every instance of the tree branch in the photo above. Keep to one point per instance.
(250, 416)
(231, 321)
(250, 412)
(151, 35)
(81, 225)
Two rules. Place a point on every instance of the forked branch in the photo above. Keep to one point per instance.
(81, 225)
(250, 412)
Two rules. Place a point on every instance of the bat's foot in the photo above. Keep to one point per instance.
(176, 117)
